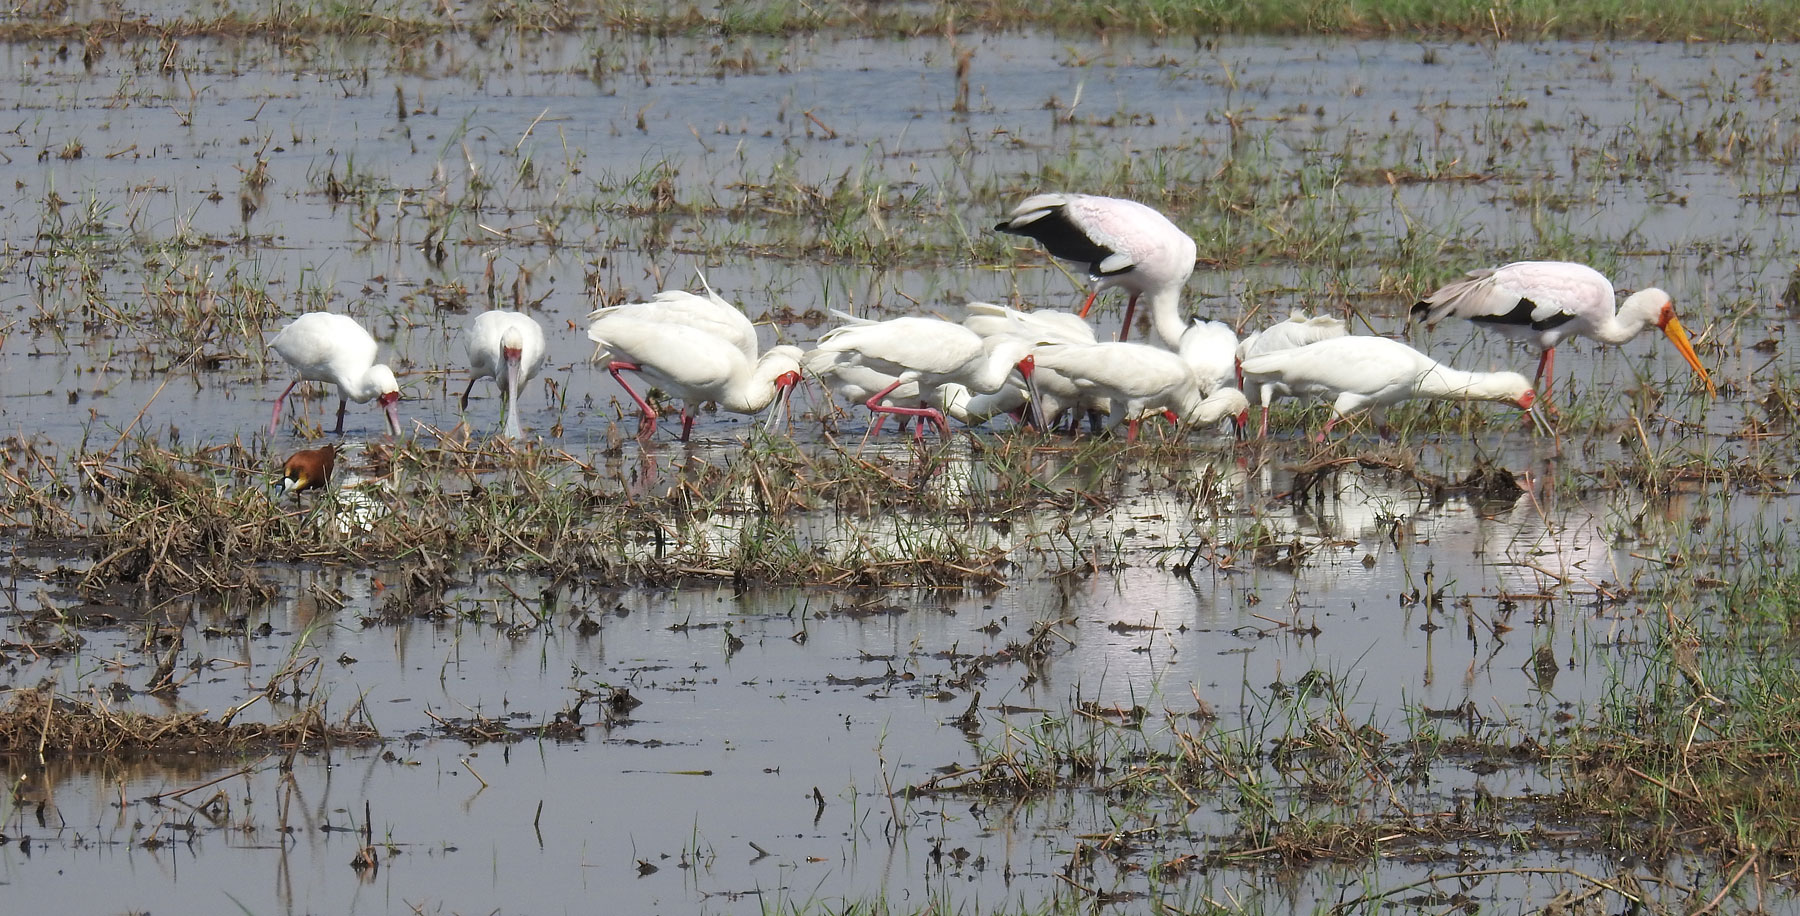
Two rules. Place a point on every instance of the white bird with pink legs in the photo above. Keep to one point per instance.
(325, 347)
(693, 366)
(1138, 380)
(710, 312)
(928, 351)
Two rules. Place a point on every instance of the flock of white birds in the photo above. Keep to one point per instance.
(1043, 367)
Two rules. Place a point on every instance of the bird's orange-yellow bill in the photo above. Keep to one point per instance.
(1679, 337)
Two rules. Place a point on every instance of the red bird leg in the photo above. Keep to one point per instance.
(1130, 312)
(943, 422)
(874, 404)
(687, 424)
(647, 425)
(1546, 372)
(1326, 432)
(1085, 306)
(275, 419)
(1262, 431)
(1131, 431)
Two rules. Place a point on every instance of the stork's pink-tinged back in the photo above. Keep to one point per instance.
(1121, 243)
(1542, 302)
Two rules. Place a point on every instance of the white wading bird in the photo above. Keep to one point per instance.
(693, 365)
(927, 351)
(1372, 373)
(334, 348)
(1541, 302)
(1138, 379)
(1297, 331)
(507, 347)
(710, 313)
(1055, 395)
(1122, 243)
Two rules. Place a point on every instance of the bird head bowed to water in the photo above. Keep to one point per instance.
(308, 469)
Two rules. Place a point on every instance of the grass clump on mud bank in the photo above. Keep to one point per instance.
(1704, 751)
(163, 522)
(39, 724)
(410, 20)
(1688, 754)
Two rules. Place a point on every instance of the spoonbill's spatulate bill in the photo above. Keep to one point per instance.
(325, 347)
(507, 347)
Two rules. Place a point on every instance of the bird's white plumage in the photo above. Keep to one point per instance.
(1358, 373)
(1047, 325)
(694, 365)
(843, 374)
(928, 351)
(1297, 331)
(1056, 395)
(324, 347)
(1542, 303)
(1210, 348)
(1554, 288)
(1125, 244)
(1135, 379)
(487, 340)
(710, 313)
(969, 408)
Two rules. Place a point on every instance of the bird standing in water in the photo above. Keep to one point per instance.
(1541, 302)
(507, 347)
(308, 469)
(1122, 243)
(334, 348)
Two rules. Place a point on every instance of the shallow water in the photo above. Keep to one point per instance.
(659, 812)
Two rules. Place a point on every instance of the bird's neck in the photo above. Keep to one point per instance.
(1165, 316)
(996, 367)
(759, 389)
(360, 388)
(1625, 324)
(1445, 383)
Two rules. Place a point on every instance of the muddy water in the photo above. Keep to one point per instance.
(703, 798)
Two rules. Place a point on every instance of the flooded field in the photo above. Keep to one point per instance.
(798, 670)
